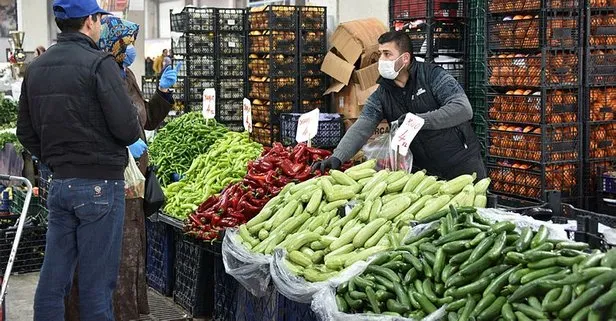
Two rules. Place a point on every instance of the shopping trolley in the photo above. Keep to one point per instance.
(20, 227)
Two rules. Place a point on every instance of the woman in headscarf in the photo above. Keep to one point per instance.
(130, 297)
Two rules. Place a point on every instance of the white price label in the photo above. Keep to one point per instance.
(247, 111)
(231, 22)
(307, 126)
(232, 44)
(406, 133)
(209, 103)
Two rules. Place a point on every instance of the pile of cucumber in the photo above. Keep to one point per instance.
(483, 271)
(309, 219)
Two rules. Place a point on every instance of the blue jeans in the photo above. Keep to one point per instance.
(86, 218)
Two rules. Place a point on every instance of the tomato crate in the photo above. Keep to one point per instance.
(194, 271)
(534, 107)
(229, 110)
(149, 86)
(313, 18)
(231, 43)
(601, 138)
(196, 87)
(282, 42)
(192, 19)
(561, 68)
(600, 105)
(231, 67)
(265, 135)
(330, 132)
(504, 6)
(312, 87)
(561, 32)
(194, 44)
(274, 89)
(279, 65)
(160, 256)
(31, 250)
(602, 67)
(313, 41)
(532, 181)
(310, 65)
(267, 112)
(409, 9)
(273, 18)
(233, 20)
(448, 37)
(602, 29)
(308, 105)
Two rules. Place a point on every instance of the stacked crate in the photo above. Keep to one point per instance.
(534, 98)
(312, 50)
(286, 47)
(599, 98)
(437, 30)
(476, 67)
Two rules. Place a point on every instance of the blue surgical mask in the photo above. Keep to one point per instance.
(131, 54)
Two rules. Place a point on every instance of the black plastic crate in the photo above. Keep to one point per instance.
(331, 130)
(534, 106)
(266, 308)
(561, 32)
(601, 26)
(235, 127)
(277, 65)
(601, 140)
(448, 38)
(196, 87)
(312, 87)
(230, 43)
(149, 86)
(308, 105)
(310, 65)
(600, 106)
(535, 143)
(31, 250)
(194, 277)
(160, 255)
(193, 19)
(295, 311)
(274, 89)
(229, 110)
(225, 291)
(231, 66)
(273, 18)
(231, 89)
(598, 177)
(313, 41)
(194, 44)
(313, 18)
(409, 9)
(525, 70)
(504, 6)
(200, 66)
(602, 68)
(265, 136)
(588, 226)
(455, 67)
(267, 112)
(179, 90)
(282, 42)
(231, 20)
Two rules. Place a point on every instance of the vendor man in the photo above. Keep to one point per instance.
(446, 146)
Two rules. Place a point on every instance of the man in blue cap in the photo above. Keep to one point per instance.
(76, 116)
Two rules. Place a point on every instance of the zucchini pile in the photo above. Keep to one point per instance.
(483, 271)
(308, 219)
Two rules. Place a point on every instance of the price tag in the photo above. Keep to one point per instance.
(307, 126)
(232, 44)
(231, 22)
(406, 133)
(247, 111)
(209, 103)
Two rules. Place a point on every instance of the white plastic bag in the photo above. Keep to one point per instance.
(297, 289)
(134, 181)
(555, 231)
(387, 158)
(252, 270)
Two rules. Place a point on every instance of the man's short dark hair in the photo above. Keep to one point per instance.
(72, 24)
(165, 50)
(400, 38)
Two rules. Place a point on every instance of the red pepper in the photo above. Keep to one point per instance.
(259, 202)
(304, 175)
(282, 181)
(194, 220)
(249, 209)
(235, 213)
(298, 152)
(215, 220)
(318, 151)
(287, 167)
(260, 191)
(229, 222)
(271, 177)
(274, 190)
(298, 167)
(210, 202)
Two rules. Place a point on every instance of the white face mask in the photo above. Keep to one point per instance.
(387, 68)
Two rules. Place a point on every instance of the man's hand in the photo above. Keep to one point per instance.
(137, 148)
(169, 77)
(329, 163)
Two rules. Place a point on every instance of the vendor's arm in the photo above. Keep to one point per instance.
(26, 133)
(158, 108)
(455, 108)
(364, 127)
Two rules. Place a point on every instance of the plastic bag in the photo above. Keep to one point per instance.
(252, 270)
(324, 305)
(297, 288)
(134, 181)
(387, 158)
(556, 231)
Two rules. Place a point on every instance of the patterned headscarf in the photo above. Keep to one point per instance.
(116, 35)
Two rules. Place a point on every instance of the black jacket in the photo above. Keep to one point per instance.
(74, 112)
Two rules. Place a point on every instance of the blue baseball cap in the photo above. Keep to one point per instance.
(68, 9)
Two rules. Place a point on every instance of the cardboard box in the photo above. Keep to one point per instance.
(354, 54)
(382, 128)
(350, 99)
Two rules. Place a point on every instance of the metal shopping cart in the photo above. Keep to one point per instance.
(20, 227)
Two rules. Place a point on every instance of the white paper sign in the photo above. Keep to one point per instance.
(307, 126)
(209, 103)
(232, 44)
(231, 22)
(406, 133)
(247, 111)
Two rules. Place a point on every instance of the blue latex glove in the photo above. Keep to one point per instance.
(169, 76)
(137, 148)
